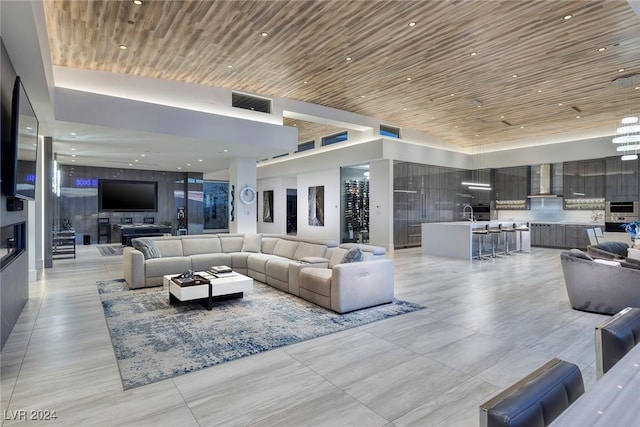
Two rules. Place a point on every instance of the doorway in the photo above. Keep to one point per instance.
(292, 211)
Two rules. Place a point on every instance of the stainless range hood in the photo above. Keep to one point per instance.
(544, 191)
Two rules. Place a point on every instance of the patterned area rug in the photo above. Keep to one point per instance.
(154, 340)
(108, 250)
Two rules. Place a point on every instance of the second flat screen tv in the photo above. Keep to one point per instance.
(127, 196)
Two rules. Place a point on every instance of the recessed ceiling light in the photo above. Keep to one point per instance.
(138, 2)
(264, 34)
(514, 76)
(412, 24)
(73, 155)
(621, 70)
(72, 133)
(225, 150)
(362, 96)
(637, 87)
(29, 128)
(577, 117)
(567, 17)
(408, 79)
(456, 126)
(474, 53)
(522, 127)
(73, 160)
(453, 94)
(136, 160)
(602, 49)
(432, 117)
(73, 149)
(188, 164)
(405, 108)
(560, 105)
(305, 82)
(179, 168)
(143, 155)
(229, 66)
(348, 58)
(123, 47)
(502, 117)
(199, 160)
(130, 164)
(539, 90)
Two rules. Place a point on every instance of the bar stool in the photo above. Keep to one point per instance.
(493, 232)
(520, 229)
(599, 235)
(482, 234)
(507, 231)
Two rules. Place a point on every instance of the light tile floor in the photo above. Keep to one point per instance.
(486, 325)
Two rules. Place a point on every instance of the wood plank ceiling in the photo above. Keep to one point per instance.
(429, 76)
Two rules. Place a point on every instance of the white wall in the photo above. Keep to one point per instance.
(551, 153)
(279, 187)
(381, 203)
(330, 178)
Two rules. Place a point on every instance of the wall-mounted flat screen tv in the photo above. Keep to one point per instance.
(19, 152)
(127, 196)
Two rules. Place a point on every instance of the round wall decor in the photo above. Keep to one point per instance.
(247, 195)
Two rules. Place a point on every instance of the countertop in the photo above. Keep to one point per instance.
(587, 224)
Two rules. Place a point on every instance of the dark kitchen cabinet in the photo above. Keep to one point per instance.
(547, 235)
(512, 184)
(584, 179)
(576, 236)
(621, 181)
(563, 236)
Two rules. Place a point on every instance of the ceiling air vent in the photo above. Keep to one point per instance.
(250, 102)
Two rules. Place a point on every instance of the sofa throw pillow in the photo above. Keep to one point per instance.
(352, 255)
(579, 254)
(618, 248)
(147, 247)
(252, 243)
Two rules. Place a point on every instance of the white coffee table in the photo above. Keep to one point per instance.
(219, 288)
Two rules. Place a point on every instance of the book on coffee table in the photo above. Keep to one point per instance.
(219, 269)
(229, 274)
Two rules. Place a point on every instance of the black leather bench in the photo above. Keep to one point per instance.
(615, 337)
(537, 399)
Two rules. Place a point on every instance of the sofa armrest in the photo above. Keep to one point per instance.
(134, 267)
(314, 260)
(363, 284)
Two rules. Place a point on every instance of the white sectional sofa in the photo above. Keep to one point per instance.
(272, 259)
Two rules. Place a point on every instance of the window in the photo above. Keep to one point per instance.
(309, 145)
(389, 131)
(280, 155)
(248, 102)
(332, 139)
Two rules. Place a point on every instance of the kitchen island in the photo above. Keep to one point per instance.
(456, 240)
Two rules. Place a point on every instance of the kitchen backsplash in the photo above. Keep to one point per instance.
(550, 209)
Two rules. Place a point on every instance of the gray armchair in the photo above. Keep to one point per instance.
(596, 287)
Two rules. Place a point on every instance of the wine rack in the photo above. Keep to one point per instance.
(356, 210)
